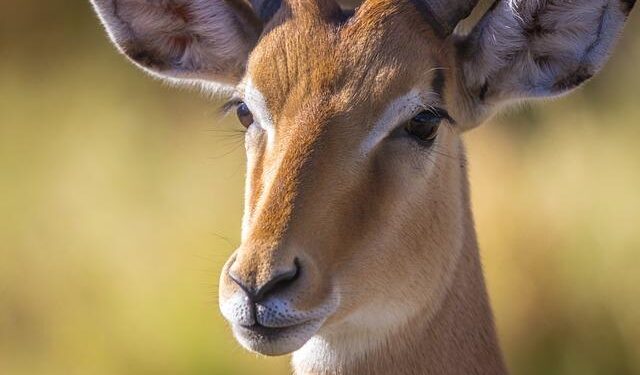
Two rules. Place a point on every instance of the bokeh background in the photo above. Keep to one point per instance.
(120, 198)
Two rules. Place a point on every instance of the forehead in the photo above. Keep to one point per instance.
(379, 54)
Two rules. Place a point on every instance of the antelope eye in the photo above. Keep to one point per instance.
(244, 115)
(424, 126)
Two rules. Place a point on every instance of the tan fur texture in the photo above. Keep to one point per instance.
(358, 247)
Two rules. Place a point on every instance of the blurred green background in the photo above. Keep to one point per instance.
(120, 198)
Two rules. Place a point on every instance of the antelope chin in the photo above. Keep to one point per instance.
(274, 326)
(276, 341)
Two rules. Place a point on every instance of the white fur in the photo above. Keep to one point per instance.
(400, 109)
(256, 102)
(263, 122)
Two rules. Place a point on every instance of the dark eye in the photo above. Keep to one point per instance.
(244, 115)
(424, 126)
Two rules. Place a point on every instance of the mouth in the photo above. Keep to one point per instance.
(275, 341)
(272, 333)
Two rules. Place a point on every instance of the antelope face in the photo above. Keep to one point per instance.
(355, 185)
(352, 152)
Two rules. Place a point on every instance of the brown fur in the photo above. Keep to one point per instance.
(378, 229)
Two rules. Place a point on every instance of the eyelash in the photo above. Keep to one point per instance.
(440, 112)
(230, 105)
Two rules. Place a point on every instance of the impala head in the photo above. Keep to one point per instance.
(355, 184)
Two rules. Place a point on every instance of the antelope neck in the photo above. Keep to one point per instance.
(460, 338)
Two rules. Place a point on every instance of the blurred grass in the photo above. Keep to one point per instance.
(121, 198)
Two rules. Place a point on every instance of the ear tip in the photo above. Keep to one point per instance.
(102, 6)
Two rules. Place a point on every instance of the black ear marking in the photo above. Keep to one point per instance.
(581, 75)
(536, 49)
(147, 59)
(152, 59)
(543, 61)
(627, 6)
(536, 29)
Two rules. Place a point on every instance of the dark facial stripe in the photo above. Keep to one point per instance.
(425, 10)
(444, 15)
(438, 83)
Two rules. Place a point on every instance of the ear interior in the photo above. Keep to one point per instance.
(532, 49)
(184, 40)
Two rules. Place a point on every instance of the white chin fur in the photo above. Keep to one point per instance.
(285, 341)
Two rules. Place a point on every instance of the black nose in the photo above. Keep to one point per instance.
(278, 282)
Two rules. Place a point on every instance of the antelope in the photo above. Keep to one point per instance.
(358, 250)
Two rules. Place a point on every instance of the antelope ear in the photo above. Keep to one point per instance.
(183, 40)
(532, 49)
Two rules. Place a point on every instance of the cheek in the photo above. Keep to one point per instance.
(402, 169)
(411, 208)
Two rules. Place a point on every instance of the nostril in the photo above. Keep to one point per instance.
(278, 282)
(238, 281)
